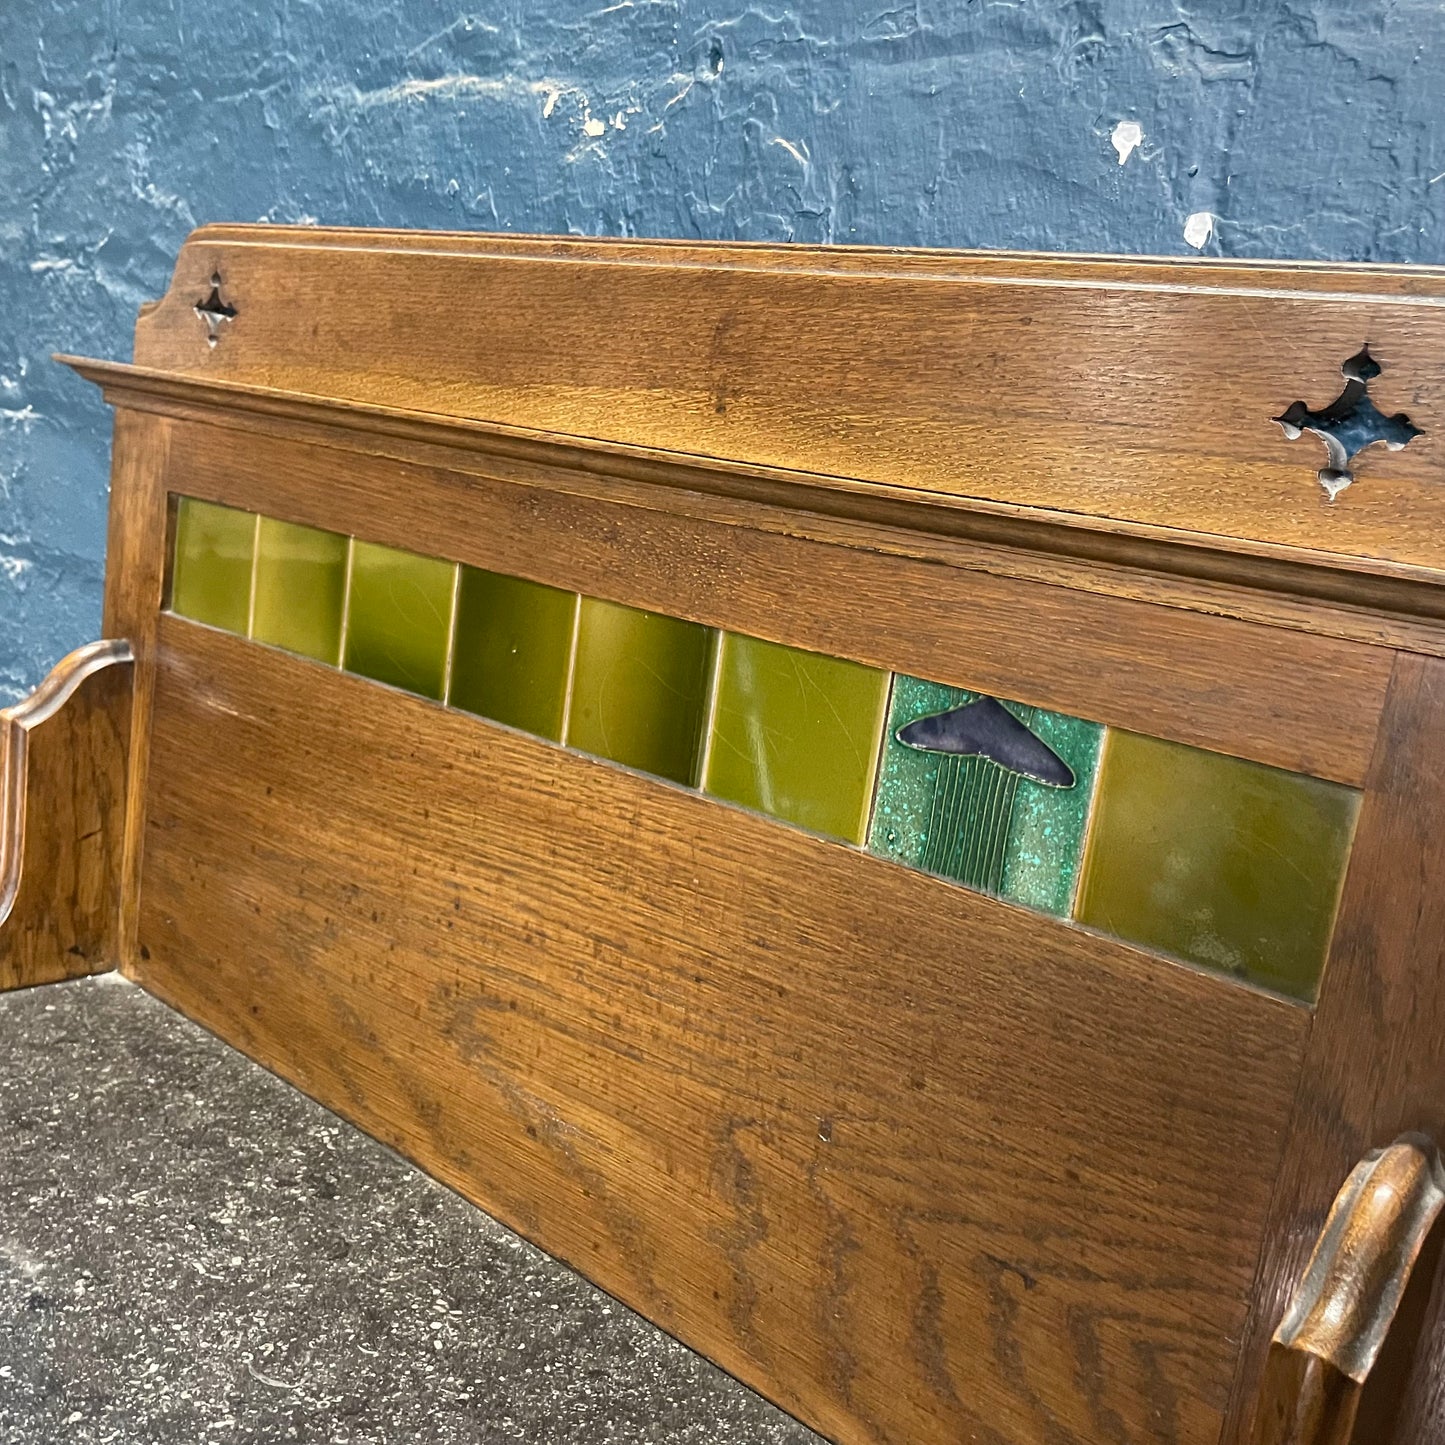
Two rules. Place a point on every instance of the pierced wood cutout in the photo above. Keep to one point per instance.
(215, 311)
(1349, 424)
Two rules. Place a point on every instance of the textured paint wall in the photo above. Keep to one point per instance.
(1307, 129)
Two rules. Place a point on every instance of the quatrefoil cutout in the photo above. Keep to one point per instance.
(215, 311)
(1349, 424)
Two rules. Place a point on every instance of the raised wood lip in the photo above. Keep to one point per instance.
(1312, 279)
(62, 681)
(1399, 589)
(59, 686)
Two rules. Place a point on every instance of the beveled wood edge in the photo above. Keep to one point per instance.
(1371, 587)
(1101, 270)
(1337, 1321)
(59, 686)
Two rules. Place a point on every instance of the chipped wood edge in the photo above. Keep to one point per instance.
(1340, 1315)
(16, 722)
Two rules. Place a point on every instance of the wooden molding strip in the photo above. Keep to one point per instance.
(1370, 586)
(1351, 280)
(1339, 1317)
(16, 724)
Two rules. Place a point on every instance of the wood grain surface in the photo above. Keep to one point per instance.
(1103, 392)
(920, 1165)
(1211, 681)
(62, 823)
(1384, 603)
(1375, 1066)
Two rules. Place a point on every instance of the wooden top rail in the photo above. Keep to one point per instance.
(1086, 405)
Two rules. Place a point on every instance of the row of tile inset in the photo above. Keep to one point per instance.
(790, 733)
(1222, 862)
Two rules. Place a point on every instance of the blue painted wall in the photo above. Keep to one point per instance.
(1306, 129)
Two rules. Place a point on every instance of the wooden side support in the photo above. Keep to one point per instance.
(1338, 1320)
(63, 758)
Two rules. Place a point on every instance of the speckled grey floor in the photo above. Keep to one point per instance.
(193, 1252)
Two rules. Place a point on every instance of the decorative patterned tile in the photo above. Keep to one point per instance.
(639, 689)
(1226, 863)
(300, 589)
(796, 734)
(512, 651)
(211, 577)
(399, 618)
(982, 822)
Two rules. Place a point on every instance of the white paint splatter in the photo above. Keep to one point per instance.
(1198, 229)
(445, 87)
(681, 94)
(1127, 137)
(799, 155)
(14, 567)
(51, 263)
(593, 127)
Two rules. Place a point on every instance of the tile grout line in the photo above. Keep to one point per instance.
(714, 693)
(255, 567)
(881, 754)
(346, 604)
(451, 653)
(1087, 831)
(571, 670)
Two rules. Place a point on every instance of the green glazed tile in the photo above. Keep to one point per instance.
(211, 579)
(796, 734)
(1226, 863)
(399, 618)
(639, 689)
(969, 819)
(512, 651)
(300, 588)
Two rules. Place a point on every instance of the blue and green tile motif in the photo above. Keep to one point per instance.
(982, 822)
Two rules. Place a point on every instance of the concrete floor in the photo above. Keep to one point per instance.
(193, 1252)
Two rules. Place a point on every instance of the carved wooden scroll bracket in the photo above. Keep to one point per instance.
(1337, 1322)
(63, 757)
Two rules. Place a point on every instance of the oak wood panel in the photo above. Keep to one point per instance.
(920, 1165)
(1107, 392)
(63, 785)
(1212, 681)
(1389, 604)
(137, 547)
(1375, 1067)
(1414, 1407)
